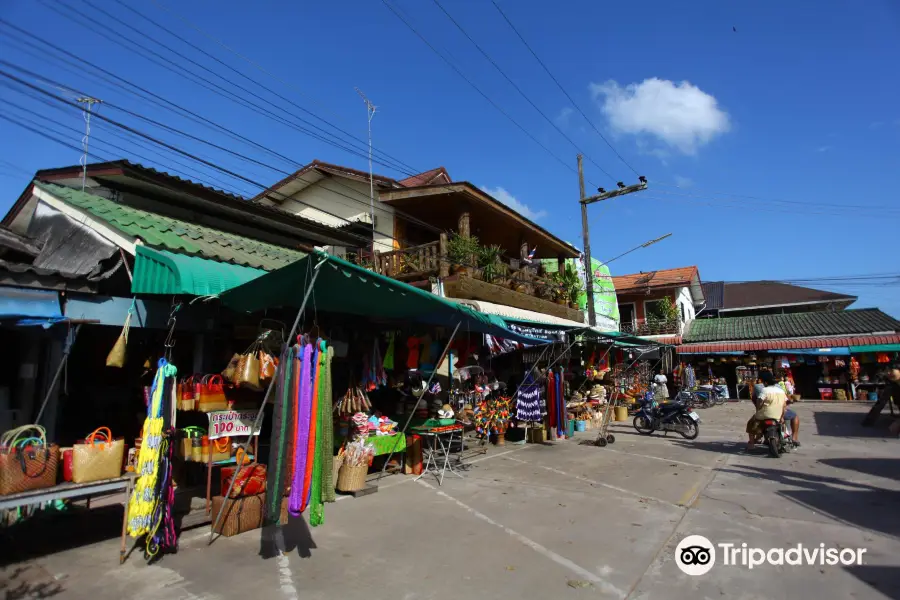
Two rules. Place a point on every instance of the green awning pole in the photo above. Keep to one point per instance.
(258, 420)
(424, 391)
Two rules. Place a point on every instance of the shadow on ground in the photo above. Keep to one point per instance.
(856, 504)
(848, 424)
(889, 468)
(28, 582)
(49, 533)
(884, 579)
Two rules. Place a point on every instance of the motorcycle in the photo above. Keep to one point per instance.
(777, 437)
(676, 416)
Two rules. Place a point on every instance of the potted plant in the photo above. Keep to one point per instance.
(489, 261)
(571, 282)
(460, 251)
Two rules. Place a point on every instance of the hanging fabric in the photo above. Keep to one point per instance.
(316, 508)
(389, 353)
(151, 503)
(281, 430)
(529, 401)
(327, 400)
(297, 500)
(313, 429)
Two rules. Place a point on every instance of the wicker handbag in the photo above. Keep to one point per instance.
(27, 462)
(99, 456)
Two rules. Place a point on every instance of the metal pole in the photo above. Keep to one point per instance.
(258, 420)
(424, 391)
(62, 363)
(588, 267)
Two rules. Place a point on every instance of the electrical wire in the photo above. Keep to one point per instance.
(472, 84)
(560, 86)
(518, 89)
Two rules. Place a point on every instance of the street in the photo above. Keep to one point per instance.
(561, 520)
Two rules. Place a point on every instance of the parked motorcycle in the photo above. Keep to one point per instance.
(676, 416)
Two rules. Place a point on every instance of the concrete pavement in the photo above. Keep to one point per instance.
(551, 521)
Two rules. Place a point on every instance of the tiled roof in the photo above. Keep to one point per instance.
(158, 231)
(324, 167)
(865, 321)
(752, 294)
(655, 279)
(427, 178)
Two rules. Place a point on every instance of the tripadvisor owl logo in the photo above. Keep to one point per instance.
(696, 555)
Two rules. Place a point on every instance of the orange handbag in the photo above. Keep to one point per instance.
(212, 394)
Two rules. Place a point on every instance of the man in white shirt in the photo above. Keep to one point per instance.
(771, 405)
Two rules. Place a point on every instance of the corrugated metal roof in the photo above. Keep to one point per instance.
(162, 272)
(179, 236)
(714, 293)
(793, 325)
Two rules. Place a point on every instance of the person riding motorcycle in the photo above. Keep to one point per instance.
(770, 404)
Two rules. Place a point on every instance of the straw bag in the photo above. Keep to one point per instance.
(99, 456)
(212, 394)
(231, 369)
(116, 357)
(220, 449)
(267, 366)
(186, 443)
(187, 393)
(27, 462)
(247, 372)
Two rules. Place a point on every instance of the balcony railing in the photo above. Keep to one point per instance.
(651, 326)
(410, 263)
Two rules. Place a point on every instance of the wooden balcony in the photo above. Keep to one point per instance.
(652, 327)
(514, 284)
(410, 264)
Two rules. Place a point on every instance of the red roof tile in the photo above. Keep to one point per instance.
(798, 343)
(434, 176)
(664, 278)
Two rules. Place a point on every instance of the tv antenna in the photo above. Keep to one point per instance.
(370, 113)
(87, 103)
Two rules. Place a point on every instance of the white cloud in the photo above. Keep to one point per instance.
(562, 119)
(823, 148)
(876, 124)
(681, 115)
(683, 182)
(520, 207)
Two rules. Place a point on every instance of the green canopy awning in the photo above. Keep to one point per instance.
(163, 272)
(625, 340)
(875, 348)
(343, 287)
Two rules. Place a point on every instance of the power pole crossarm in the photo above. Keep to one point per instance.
(584, 201)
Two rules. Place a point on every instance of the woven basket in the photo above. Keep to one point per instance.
(352, 479)
(240, 514)
(27, 469)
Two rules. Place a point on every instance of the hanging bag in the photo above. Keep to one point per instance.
(212, 394)
(186, 393)
(116, 356)
(27, 462)
(247, 374)
(99, 456)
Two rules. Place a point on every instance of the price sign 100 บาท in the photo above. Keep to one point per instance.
(231, 423)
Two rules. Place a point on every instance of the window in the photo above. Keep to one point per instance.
(683, 317)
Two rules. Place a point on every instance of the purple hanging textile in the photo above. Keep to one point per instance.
(304, 398)
(561, 425)
(314, 367)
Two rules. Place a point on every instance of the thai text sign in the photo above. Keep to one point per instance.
(231, 423)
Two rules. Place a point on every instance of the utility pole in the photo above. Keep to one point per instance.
(600, 197)
(88, 104)
(370, 113)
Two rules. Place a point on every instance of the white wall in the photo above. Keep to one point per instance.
(684, 298)
(331, 196)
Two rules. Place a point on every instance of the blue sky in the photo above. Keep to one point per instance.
(782, 136)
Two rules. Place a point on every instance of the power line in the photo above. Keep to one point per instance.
(198, 79)
(780, 201)
(255, 82)
(518, 89)
(560, 86)
(475, 87)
